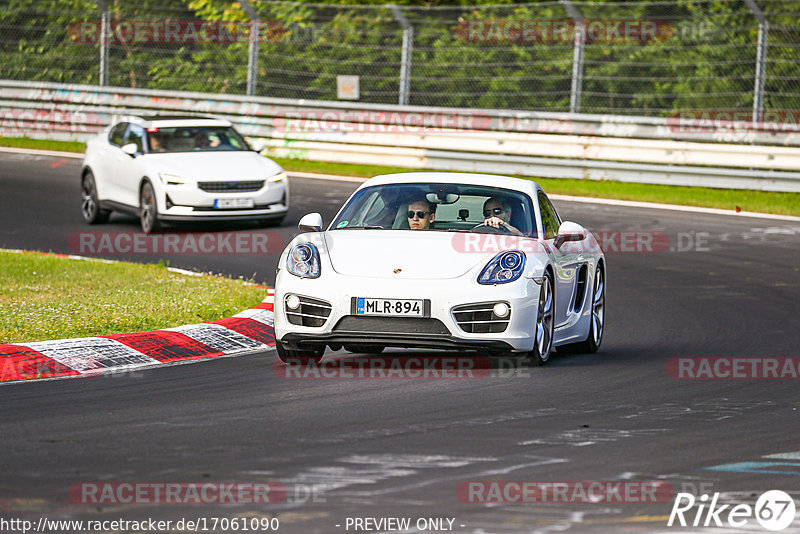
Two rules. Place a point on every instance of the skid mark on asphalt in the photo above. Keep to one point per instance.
(583, 437)
(711, 410)
(371, 469)
(444, 425)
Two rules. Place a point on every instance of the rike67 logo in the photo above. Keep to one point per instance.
(774, 510)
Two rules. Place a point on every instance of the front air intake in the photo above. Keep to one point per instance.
(310, 312)
(480, 318)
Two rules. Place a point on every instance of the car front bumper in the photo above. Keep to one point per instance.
(440, 329)
(189, 202)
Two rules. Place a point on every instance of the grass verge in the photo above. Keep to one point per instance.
(44, 297)
(42, 144)
(729, 199)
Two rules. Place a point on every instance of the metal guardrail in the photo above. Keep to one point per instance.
(558, 145)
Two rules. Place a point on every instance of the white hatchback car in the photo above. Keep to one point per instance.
(179, 168)
(441, 260)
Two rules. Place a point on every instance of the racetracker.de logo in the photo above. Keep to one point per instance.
(569, 491)
(734, 368)
(563, 31)
(177, 493)
(386, 368)
(15, 121)
(97, 243)
(607, 241)
(175, 32)
(363, 121)
(735, 120)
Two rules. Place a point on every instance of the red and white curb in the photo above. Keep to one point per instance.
(250, 331)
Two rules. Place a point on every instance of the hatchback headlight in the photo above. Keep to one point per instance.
(505, 267)
(303, 261)
(171, 179)
(281, 176)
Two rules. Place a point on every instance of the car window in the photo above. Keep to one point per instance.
(195, 139)
(457, 207)
(117, 134)
(136, 136)
(550, 219)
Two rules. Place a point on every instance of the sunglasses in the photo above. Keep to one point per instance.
(495, 211)
(419, 214)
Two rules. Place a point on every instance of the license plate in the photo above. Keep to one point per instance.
(229, 203)
(402, 307)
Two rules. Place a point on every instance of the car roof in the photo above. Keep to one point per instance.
(494, 180)
(174, 121)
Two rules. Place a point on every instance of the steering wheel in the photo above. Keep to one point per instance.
(486, 229)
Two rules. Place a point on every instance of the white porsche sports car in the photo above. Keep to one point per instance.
(179, 168)
(441, 260)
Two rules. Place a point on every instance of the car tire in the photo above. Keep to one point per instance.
(148, 209)
(299, 356)
(367, 349)
(597, 318)
(90, 205)
(545, 323)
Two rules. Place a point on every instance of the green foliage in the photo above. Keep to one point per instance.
(703, 57)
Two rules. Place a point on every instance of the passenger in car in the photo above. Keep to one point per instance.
(421, 214)
(498, 211)
(156, 143)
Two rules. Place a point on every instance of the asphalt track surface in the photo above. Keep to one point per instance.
(356, 448)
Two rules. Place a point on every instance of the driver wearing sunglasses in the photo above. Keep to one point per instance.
(497, 212)
(421, 214)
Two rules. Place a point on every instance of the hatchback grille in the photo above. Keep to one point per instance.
(391, 325)
(480, 318)
(231, 187)
(311, 312)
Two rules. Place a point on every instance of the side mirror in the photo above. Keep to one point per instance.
(130, 149)
(569, 231)
(258, 146)
(311, 222)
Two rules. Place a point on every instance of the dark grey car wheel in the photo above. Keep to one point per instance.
(90, 206)
(148, 209)
(545, 323)
(598, 315)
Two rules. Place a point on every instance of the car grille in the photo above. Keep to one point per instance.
(391, 325)
(311, 312)
(480, 319)
(231, 187)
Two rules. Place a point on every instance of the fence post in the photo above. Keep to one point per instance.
(577, 57)
(252, 51)
(761, 61)
(105, 40)
(405, 58)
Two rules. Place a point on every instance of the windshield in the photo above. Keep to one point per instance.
(432, 206)
(194, 139)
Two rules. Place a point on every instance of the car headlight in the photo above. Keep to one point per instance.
(170, 179)
(303, 261)
(281, 176)
(505, 267)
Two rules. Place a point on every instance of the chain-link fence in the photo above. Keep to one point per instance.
(633, 57)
